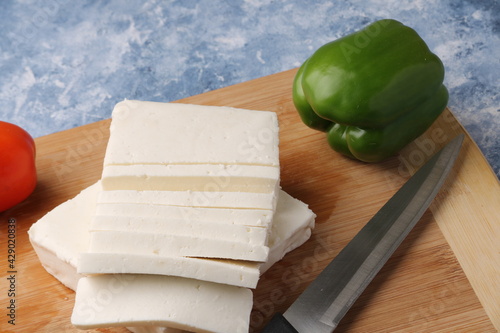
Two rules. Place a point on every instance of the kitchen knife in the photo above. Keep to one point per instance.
(326, 300)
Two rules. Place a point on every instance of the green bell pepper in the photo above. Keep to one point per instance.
(373, 91)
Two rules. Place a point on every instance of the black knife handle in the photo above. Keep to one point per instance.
(279, 324)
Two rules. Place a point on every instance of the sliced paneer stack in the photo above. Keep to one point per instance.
(62, 234)
(227, 225)
(178, 180)
(143, 215)
(287, 230)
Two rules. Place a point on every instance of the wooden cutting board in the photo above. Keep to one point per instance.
(443, 278)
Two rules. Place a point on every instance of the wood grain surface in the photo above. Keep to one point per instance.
(444, 277)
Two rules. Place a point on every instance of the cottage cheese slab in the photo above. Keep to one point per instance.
(63, 233)
(172, 133)
(177, 147)
(138, 300)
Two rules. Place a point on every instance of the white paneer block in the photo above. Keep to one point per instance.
(173, 133)
(138, 300)
(178, 147)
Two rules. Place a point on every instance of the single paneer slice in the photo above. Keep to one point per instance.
(192, 177)
(222, 216)
(190, 198)
(155, 300)
(231, 272)
(126, 242)
(194, 229)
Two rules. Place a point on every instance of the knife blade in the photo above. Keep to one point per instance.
(326, 300)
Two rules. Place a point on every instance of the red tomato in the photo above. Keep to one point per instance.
(17, 165)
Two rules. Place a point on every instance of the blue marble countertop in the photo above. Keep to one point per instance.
(66, 63)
